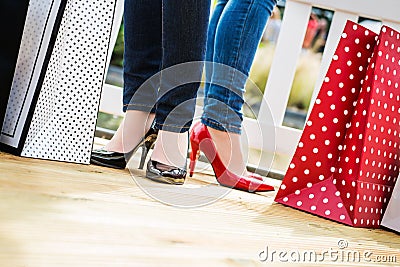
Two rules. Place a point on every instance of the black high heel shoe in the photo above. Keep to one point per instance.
(167, 174)
(119, 160)
(163, 173)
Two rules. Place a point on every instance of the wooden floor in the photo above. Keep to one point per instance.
(59, 214)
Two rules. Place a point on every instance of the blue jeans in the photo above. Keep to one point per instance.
(161, 34)
(234, 33)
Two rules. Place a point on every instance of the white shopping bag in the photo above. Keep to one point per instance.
(391, 218)
(65, 50)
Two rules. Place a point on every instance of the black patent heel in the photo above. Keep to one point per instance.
(163, 173)
(119, 160)
(148, 143)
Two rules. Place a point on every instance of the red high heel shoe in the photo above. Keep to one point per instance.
(200, 139)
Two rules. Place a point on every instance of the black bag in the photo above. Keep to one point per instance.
(12, 20)
(38, 25)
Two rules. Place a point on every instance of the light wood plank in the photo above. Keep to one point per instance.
(60, 214)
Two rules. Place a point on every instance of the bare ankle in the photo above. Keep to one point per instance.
(229, 148)
(130, 131)
(171, 148)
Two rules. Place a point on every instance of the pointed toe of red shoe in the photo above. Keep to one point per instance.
(200, 139)
(260, 187)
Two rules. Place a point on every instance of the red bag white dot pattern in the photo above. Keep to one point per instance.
(347, 160)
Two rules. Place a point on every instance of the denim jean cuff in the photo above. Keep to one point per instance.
(172, 128)
(139, 107)
(226, 127)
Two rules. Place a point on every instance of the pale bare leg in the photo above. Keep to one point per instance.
(130, 131)
(229, 148)
(171, 148)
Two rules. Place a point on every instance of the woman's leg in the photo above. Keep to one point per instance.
(237, 36)
(183, 38)
(212, 28)
(131, 130)
(142, 60)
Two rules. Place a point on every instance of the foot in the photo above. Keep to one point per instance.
(162, 173)
(229, 147)
(130, 131)
(171, 149)
(224, 153)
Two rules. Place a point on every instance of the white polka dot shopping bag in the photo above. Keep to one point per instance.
(59, 76)
(391, 218)
(347, 160)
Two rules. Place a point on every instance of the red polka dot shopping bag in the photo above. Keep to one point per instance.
(347, 159)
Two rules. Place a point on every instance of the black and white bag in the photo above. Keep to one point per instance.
(60, 72)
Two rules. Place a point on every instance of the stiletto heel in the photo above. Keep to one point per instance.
(200, 140)
(119, 160)
(145, 149)
(194, 155)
